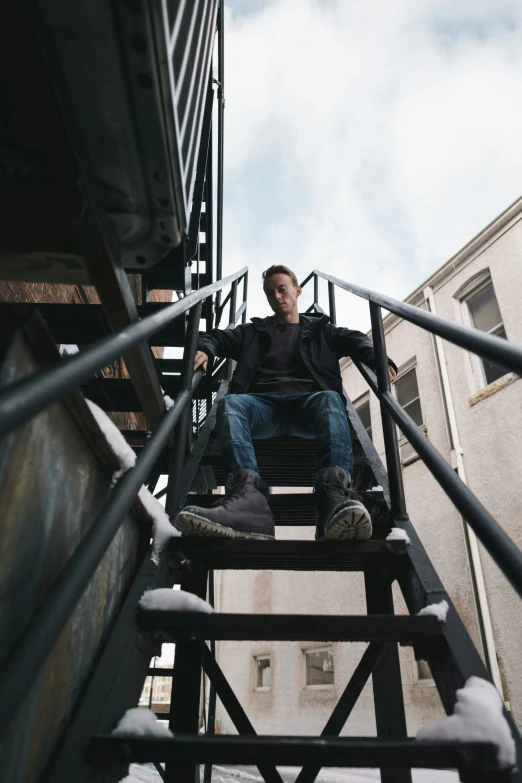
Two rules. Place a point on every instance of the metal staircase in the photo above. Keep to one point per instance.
(144, 94)
(446, 646)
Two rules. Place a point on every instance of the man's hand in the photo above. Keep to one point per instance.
(200, 360)
(391, 373)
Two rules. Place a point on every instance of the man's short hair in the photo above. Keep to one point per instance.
(280, 269)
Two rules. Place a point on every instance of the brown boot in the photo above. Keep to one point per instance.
(339, 511)
(242, 513)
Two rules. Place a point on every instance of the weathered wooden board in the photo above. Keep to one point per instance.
(55, 475)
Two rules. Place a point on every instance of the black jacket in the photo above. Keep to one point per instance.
(322, 345)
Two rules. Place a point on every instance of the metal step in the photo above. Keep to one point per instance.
(278, 470)
(298, 509)
(241, 554)
(118, 394)
(176, 626)
(79, 324)
(363, 752)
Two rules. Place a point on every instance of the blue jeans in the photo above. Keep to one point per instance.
(320, 415)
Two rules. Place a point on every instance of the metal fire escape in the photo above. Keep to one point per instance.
(107, 170)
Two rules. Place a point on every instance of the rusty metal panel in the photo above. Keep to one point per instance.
(55, 475)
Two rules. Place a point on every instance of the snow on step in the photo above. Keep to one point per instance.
(166, 600)
(398, 534)
(169, 402)
(440, 610)
(162, 530)
(478, 716)
(140, 722)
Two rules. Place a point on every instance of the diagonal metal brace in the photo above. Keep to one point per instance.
(233, 707)
(346, 703)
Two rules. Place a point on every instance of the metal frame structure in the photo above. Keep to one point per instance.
(159, 83)
(503, 551)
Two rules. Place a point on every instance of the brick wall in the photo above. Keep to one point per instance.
(21, 292)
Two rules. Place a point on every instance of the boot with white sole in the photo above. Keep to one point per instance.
(243, 512)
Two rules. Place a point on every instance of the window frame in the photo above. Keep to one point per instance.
(309, 650)
(402, 439)
(262, 688)
(473, 287)
(364, 399)
(423, 682)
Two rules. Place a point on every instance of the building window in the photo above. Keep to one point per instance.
(422, 672)
(262, 673)
(362, 408)
(407, 394)
(319, 667)
(484, 314)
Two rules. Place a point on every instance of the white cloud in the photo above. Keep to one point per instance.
(369, 139)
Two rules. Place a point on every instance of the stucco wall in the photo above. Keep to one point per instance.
(489, 425)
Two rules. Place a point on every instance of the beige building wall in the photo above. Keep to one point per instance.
(489, 425)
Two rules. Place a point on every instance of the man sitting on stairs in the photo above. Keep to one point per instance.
(287, 381)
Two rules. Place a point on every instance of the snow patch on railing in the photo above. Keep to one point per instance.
(122, 451)
(398, 534)
(162, 529)
(140, 722)
(440, 610)
(164, 599)
(478, 717)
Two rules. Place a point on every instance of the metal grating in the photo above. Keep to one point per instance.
(189, 29)
(229, 554)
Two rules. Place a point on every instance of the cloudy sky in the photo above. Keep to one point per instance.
(368, 138)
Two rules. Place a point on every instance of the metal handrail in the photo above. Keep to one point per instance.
(499, 545)
(31, 649)
(27, 397)
(497, 349)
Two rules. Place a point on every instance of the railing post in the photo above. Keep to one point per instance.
(393, 460)
(211, 719)
(245, 294)
(331, 302)
(231, 320)
(316, 290)
(177, 453)
(220, 145)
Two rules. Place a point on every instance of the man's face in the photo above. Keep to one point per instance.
(281, 293)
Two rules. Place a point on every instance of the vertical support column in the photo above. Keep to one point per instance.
(331, 302)
(390, 716)
(221, 148)
(393, 460)
(211, 718)
(245, 295)
(231, 322)
(316, 290)
(177, 452)
(186, 686)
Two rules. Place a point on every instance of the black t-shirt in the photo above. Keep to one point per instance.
(283, 370)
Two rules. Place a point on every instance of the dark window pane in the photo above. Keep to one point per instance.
(407, 388)
(483, 307)
(494, 371)
(414, 410)
(319, 667)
